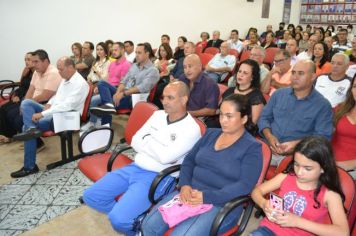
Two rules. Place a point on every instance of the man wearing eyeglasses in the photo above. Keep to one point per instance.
(280, 75)
(342, 43)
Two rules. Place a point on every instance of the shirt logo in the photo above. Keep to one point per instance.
(173, 137)
(340, 91)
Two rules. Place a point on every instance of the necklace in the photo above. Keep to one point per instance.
(242, 90)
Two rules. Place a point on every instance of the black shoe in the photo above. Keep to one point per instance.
(103, 110)
(27, 135)
(22, 172)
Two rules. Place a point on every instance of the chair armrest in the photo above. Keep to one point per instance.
(160, 176)
(12, 86)
(230, 206)
(82, 141)
(113, 157)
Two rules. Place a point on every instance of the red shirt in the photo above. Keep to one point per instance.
(344, 140)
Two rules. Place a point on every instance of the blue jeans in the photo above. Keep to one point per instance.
(262, 231)
(106, 92)
(197, 225)
(131, 181)
(28, 108)
(94, 102)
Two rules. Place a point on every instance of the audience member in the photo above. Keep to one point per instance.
(303, 43)
(320, 58)
(329, 42)
(252, 42)
(164, 140)
(70, 96)
(117, 70)
(204, 41)
(352, 52)
(344, 137)
(87, 59)
(251, 30)
(318, 32)
(282, 42)
(331, 28)
(258, 54)
(291, 30)
(269, 41)
(10, 118)
(141, 78)
(292, 48)
(100, 68)
(224, 164)
(294, 113)
(334, 86)
(350, 34)
(279, 33)
(109, 43)
(280, 75)
(165, 39)
(178, 70)
(215, 41)
(298, 37)
(179, 52)
(221, 64)
(204, 92)
(342, 44)
(307, 55)
(234, 41)
(298, 29)
(311, 193)
(77, 53)
(164, 63)
(248, 84)
(130, 54)
(264, 34)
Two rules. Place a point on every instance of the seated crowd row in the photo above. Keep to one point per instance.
(305, 98)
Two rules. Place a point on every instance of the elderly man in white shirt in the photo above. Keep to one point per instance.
(221, 64)
(70, 96)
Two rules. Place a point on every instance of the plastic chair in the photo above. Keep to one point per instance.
(205, 58)
(270, 53)
(212, 50)
(222, 89)
(234, 52)
(7, 87)
(98, 164)
(228, 207)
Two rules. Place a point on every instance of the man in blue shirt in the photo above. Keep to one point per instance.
(295, 112)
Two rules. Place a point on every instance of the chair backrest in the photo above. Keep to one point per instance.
(84, 115)
(234, 52)
(138, 117)
(212, 50)
(267, 156)
(205, 58)
(202, 126)
(245, 55)
(222, 89)
(270, 53)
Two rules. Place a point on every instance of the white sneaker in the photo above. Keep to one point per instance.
(87, 126)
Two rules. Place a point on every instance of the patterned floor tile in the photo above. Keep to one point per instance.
(10, 232)
(70, 165)
(55, 176)
(78, 178)
(23, 217)
(54, 211)
(69, 195)
(30, 179)
(40, 195)
(4, 209)
(11, 194)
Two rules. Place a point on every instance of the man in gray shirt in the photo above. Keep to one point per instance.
(141, 78)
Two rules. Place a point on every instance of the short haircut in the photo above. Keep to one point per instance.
(121, 45)
(344, 56)
(283, 52)
(91, 45)
(166, 36)
(343, 30)
(205, 33)
(216, 32)
(109, 41)
(183, 89)
(184, 39)
(68, 62)
(258, 47)
(191, 43)
(147, 48)
(129, 42)
(42, 54)
(235, 30)
(311, 66)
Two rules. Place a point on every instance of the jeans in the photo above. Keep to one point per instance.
(28, 108)
(131, 181)
(262, 231)
(94, 102)
(197, 225)
(106, 92)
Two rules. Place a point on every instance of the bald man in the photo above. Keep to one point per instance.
(70, 96)
(163, 141)
(221, 64)
(204, 92)
(295, 112)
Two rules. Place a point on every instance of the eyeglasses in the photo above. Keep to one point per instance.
(279, 61)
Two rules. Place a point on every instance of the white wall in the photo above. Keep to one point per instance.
(27, 25)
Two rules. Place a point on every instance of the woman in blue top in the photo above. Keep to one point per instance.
(224, 164)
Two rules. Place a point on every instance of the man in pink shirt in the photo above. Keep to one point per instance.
(280, 75)
(117, 70)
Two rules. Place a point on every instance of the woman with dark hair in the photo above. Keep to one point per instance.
(309, 191)
(332, 29)
(180, 49)
(148, 48)
(320, 58)
(344, 137)
(100, 69)
(320, 33)
(10, 120)
(303, 43)
(269, 41)
(248, 84)
(77, 53)
(224, 164)
(164, 63)
(298, 29)
(327, 33)
(291, 29)
(298, 37)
